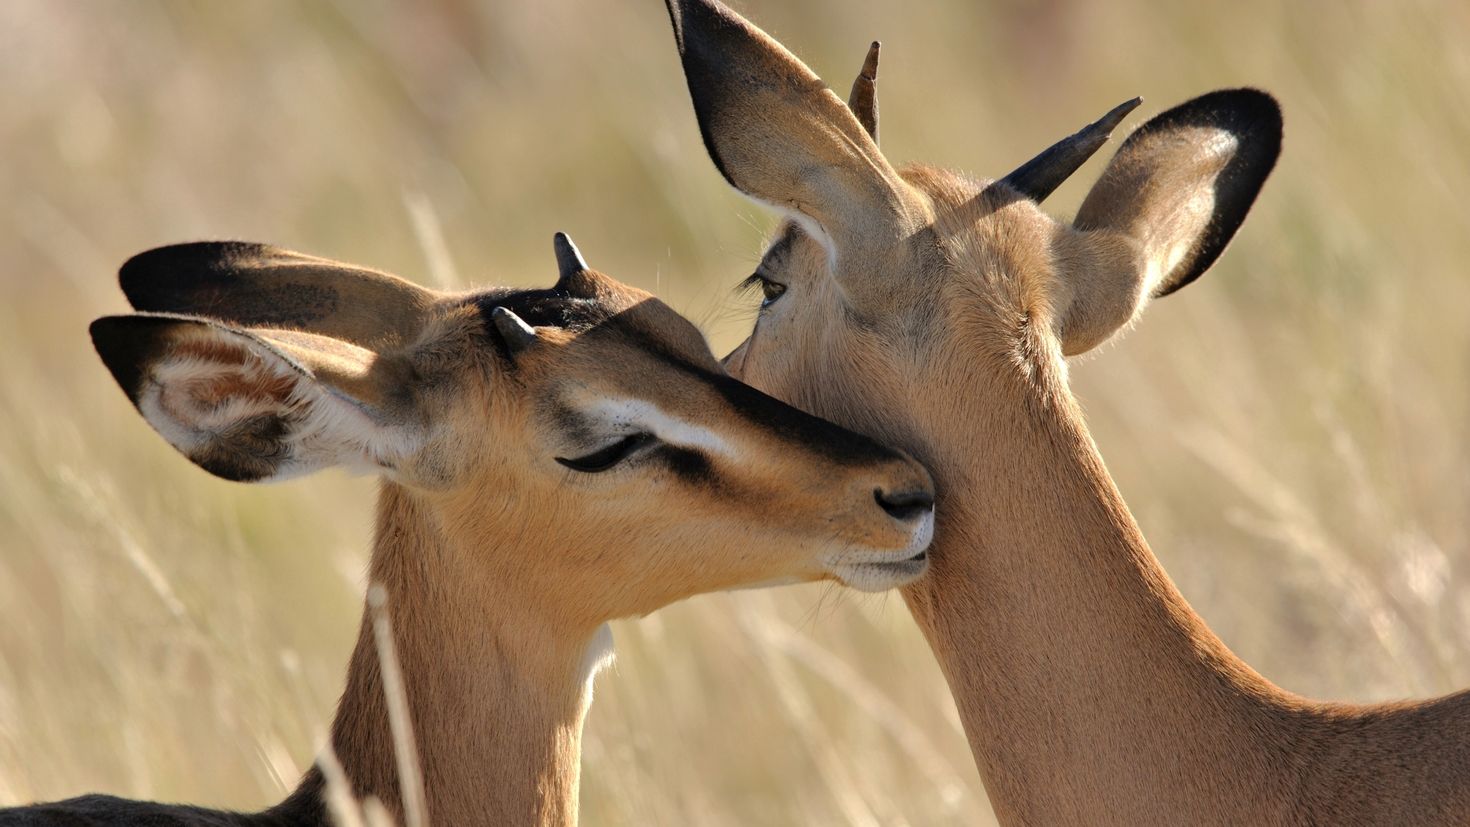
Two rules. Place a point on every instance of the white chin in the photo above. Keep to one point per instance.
(894, 569)
(878, 577)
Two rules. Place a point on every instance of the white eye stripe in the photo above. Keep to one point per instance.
(645, 416)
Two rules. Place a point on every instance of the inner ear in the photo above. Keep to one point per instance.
(257, 405)
(1164, 210)
(1183, 183)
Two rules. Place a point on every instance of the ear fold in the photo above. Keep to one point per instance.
(778, 134)
(256, 285)
(259, 405)
(1165, 208)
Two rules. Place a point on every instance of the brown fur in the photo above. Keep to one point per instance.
(1090, 691)
(499, 564)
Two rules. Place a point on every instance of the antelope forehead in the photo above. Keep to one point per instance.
(646, 416)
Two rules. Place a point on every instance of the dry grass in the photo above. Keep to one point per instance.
(1292, 432)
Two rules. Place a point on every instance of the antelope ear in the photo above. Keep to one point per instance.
(1164, 209)
(256, 285)
(779, 135)
(260, 405)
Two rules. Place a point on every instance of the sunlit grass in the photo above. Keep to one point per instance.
(1293, 432)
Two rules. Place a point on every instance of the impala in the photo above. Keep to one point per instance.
(550, 460)
(934, 311)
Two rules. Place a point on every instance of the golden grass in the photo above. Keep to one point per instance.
(1293, 432)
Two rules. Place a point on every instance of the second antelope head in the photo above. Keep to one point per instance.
(923, 305)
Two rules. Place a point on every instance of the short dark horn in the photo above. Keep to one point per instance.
(517, 334)
(863, 100)
(574, 277)
(1040, 176)
(569, 260)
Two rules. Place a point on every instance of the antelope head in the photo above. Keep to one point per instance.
(922, 305)
(579, 445)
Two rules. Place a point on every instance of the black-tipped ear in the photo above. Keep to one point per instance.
(251, 405)
(257, 285)
(863, 99)
(1164, 209)
(1219, 147)
(127, 344)
(780, 135)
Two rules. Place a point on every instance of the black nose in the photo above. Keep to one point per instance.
(905, 505)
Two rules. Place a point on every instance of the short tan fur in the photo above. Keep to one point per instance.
(934, 311)
(550, 459)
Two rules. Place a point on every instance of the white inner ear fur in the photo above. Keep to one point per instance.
(194, 401)
(1178, 236)
(642, 415)
(1175, 236)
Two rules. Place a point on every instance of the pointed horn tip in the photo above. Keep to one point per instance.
(870, 64)
(568, 258)
(504, 315)
(517, 334)
(1116, 115)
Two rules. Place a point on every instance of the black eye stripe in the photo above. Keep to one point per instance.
(605, 458)
(787, 423)
(691, 466)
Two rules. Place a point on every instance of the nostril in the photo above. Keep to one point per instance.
(905, 505)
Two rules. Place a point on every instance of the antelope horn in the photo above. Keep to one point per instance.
(573, 275)
(513, 329)
(569, 261)
(863, 100)
(1040, 176)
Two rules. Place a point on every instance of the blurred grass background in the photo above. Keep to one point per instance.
(1291, 432)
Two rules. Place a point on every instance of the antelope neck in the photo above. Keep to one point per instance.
(1087, 686)
(497, 696)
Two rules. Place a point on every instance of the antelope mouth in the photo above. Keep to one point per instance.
(880, 571)
(878, 576)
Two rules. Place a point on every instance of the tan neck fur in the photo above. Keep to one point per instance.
(1092, 694)
(497, 694)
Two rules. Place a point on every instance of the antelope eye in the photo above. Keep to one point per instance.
(604, 458)
(770, 291)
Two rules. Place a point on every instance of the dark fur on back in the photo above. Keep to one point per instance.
(302, 809)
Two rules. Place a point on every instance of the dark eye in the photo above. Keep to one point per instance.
(605, 458)
(770, 290)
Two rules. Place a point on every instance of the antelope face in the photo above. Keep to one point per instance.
(632, 421)
(587, 424)
(924, 306)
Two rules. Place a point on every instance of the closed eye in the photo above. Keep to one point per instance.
(605, 458)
